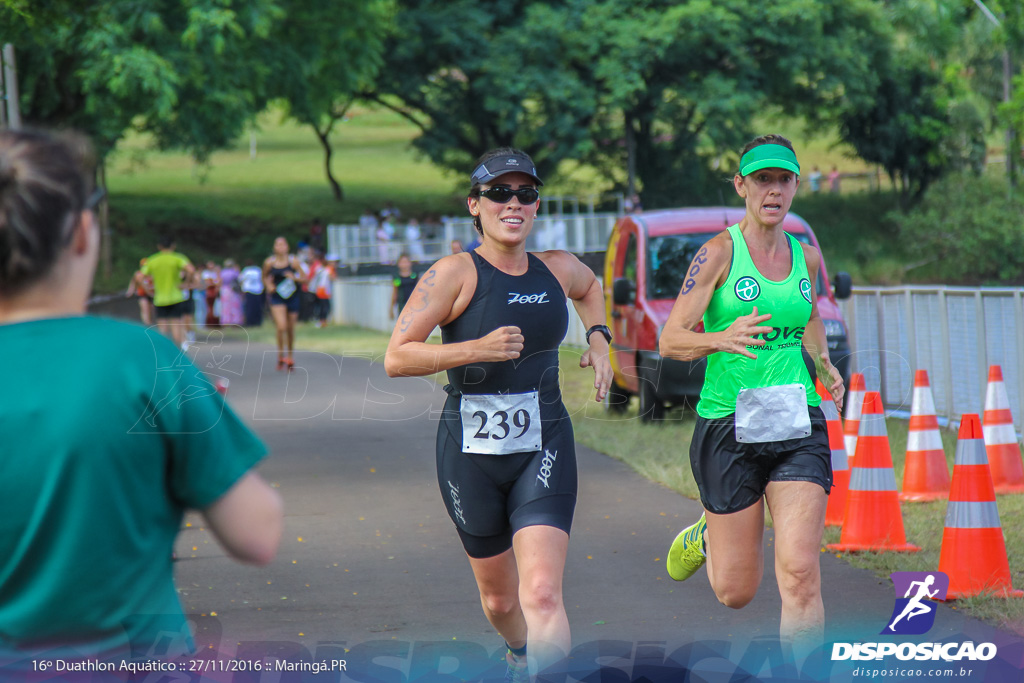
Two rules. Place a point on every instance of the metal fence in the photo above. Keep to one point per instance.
(366, 302)
(955, 333)
(577, 232)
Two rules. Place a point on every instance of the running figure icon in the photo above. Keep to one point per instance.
(916, 605)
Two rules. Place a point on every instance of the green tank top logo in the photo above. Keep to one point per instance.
(805, 289)
(747, 289)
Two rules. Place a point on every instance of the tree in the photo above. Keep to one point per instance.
(655, 92)
(322, 55)
(180, 70)
(452, 69)
(903, 130)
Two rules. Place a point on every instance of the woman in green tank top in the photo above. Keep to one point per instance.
(760, 437)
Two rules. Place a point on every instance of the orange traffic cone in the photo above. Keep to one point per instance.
(854, 403)
(840, 467)
(925, 471)
(873, 519)
(1000, 437)
(973, 550)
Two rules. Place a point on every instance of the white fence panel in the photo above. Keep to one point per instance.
(578, 233)
(955, 333)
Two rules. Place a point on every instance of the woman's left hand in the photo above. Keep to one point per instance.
(602, 369)
(834, 382)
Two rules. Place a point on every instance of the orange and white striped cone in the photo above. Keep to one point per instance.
(1004, 456)
(973, 551)
(840, 468)
(925, 471)
(873, 519)
(854, 405)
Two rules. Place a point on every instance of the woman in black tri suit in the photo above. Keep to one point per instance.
(505, 452)
(283, 275)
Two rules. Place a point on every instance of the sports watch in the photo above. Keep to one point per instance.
(603, 329)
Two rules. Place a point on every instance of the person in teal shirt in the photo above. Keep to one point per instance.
(760, 436)
(102, 452)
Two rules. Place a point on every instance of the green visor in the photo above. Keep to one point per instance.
(769, 156)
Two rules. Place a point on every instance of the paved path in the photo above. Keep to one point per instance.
(370, 565)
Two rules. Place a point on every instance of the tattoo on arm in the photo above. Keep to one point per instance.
(420, 300)
(699, 260)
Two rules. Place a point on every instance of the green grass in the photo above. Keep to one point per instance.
(236, 206)
(336, 339)
(664, 459)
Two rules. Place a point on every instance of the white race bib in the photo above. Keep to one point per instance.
(499, 424)
(286, 288)
(766, 414)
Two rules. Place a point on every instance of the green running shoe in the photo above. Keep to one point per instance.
(685, 556)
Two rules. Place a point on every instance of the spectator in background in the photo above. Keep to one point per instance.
(369, 220)
(631, 204)
(814, 180)
(321, 280)
(405, 283)
(383, 245)
(230, 295)
(138, 436)
(414, 240)
(456, 247)
(194, 314)
(316, 235)
(432, 228)
(833, 180)
(141, 286)
(390, 211)
(307, 257)
(211, 287)
(251, 281)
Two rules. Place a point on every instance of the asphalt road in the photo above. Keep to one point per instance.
(370, 569)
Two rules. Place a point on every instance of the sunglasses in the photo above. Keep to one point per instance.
(503, 195)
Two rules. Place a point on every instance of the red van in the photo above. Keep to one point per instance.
(648, 255)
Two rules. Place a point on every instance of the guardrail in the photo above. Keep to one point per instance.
(955, 333)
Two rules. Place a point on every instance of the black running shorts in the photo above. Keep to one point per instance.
(491, 497)
(292, 303)
(732, 476)
(172, 311)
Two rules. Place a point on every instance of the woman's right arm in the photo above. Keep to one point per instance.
(678, 338)
(247, 520)
(437, 298)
